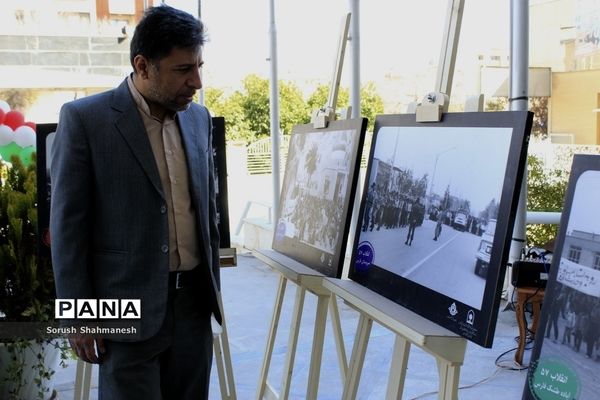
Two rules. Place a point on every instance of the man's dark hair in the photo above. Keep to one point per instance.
(163, 28)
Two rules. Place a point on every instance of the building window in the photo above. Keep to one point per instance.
(596, 261)
(574, 254)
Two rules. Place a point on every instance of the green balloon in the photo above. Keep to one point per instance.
(25, 155)
(9, 150)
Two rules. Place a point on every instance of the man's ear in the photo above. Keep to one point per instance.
(141, 66)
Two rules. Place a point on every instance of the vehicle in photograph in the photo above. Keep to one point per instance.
(484, 250)
(460, 221)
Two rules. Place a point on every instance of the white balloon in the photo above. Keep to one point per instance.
(25, 136)
(6, 135)
(4, 106)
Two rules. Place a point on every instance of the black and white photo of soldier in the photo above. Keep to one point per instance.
(314, 189)
(423, 182)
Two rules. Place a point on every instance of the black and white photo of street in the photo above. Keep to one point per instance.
(432, 203)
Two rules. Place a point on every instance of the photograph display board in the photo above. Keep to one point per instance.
(437, 215)
(220, 163)
(565, 362)
(44, 140)
(318, 193)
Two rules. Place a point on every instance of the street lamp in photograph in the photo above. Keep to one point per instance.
(437, 156)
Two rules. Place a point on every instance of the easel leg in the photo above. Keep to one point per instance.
(358, 357)
(338, 336)
(398, 369)
(292, 343)
(218, 355)
(449, 377)
(223, 361)
(317, 348)
(264, 372)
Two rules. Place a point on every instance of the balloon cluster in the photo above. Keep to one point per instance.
(17, 137)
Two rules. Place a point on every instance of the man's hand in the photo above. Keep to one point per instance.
(85, 348)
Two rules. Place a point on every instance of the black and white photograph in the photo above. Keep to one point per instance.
(437, 203)
(317, 191)
(432, 201)
(567, 342)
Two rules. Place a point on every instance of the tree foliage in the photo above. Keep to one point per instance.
(27, 285)
(546, 190)
(247, 111)
(537, 105)
(230, 108)
(19, 99)
(371, 103)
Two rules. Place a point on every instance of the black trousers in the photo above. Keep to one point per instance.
(173, 364)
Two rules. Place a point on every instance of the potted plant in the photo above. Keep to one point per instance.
(26, 290)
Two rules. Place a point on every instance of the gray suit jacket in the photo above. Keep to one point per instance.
(108, 222)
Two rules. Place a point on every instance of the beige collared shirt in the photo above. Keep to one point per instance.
(165, 139)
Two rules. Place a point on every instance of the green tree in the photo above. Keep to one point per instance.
(319, 98)
(255, 102)
(496, 104)
(292, 107)
(537, 105)
(371, 102)
(19, 99)
(236, 125)
(545, 192)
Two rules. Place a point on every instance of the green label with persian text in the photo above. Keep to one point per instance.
(553, 379)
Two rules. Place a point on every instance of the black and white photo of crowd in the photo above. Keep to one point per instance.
(572, 330)
(315, 189)
(431, 205)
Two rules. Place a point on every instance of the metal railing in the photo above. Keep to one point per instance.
(258, 155)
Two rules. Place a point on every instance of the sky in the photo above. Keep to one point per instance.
(397, 36)
(584, 216)
(472, 161)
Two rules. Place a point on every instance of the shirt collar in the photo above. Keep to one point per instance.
(141, 103)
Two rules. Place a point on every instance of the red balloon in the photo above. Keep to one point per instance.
(30, 124)
(14, 119)
(2, 114)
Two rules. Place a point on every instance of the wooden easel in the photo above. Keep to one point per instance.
(410, 329)
(306, 279)
(309, 280)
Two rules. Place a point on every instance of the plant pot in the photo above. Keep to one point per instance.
(30, 373)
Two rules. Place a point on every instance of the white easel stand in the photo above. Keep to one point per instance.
(307, 280)
(410, 328)
(83, 374)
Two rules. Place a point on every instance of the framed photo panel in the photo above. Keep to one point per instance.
(220, 163)
(565, 359)
(437, 214)
(45, 138)
(317, 194)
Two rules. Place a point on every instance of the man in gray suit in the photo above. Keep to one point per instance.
(133, 214)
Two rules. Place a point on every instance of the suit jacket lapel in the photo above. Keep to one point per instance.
(131, 127)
